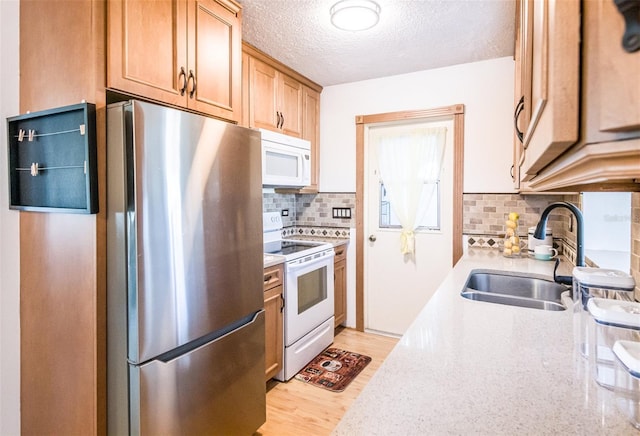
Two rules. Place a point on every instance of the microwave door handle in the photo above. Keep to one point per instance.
(306, 157)
(301, 166)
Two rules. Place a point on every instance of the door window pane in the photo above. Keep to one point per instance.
(431, 219)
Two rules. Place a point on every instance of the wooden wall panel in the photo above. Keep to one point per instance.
(62, 256)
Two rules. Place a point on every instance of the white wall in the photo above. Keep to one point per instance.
(607, 223)
(607, 229)
(486, 90)
(9, 230)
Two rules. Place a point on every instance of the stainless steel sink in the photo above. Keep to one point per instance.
(514, 289)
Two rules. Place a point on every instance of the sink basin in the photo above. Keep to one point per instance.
(514, 289)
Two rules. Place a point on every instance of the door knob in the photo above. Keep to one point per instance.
(372, 238)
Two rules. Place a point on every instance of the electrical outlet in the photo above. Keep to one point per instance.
(285, 212)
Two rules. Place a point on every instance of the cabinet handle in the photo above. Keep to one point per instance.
(278, 120)
(339, 253)
(267, 278)
(630, 11)
(281, 120)
(516, 115)
(183, 74)
(192, 78)
(281, 303)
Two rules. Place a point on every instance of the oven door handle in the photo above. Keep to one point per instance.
(298, 264)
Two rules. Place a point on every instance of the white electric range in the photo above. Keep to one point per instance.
(308, 295)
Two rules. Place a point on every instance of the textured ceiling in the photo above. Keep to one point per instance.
(412, 35)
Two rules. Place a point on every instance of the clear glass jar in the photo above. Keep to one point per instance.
(511, 243)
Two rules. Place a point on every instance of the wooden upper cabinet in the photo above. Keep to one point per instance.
(548, 81)
(147, 48)
(614, 85)
(263, 95)
(290, 95)
(215, 57)
(607, 155)
(185, 53)
(311, 132)
(275, 99)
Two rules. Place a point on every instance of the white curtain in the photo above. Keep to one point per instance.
(409, 161)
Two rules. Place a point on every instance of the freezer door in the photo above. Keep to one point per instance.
(194, 221)
(217, 389)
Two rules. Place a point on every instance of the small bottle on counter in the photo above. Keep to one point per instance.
(511, 245)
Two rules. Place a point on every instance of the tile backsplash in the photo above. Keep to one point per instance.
(311, 214)
(483, 217)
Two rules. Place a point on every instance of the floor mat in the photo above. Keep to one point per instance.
(333, 369)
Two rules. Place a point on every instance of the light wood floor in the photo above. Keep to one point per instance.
(296, 408)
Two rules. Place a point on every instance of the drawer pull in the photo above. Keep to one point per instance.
(339, 253)
(267, 278)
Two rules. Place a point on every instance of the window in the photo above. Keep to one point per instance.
(431, 219)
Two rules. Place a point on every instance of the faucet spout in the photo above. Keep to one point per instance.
(541, 228)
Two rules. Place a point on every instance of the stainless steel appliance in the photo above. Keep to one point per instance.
(184, 267)
(286, 160)
(308, 295)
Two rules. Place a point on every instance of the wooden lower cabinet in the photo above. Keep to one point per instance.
(273, 307)
(340, 284)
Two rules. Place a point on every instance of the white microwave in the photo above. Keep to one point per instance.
(286, 160)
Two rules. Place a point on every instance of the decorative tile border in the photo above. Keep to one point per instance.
(564, 247)
(322, 232)
(483, 241)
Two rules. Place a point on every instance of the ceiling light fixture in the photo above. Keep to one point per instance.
(355, 15)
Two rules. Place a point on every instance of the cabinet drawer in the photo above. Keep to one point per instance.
(273, 276)
(340, 253)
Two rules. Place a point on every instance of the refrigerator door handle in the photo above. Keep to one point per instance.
(192, 346)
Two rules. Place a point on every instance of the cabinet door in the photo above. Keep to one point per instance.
(263, 95)
(215, 58)
(290, 105)
(147, 48)
(555, 72)
(311, 132)
(522, 94)
(273, 305)
(618, 74)
(340, 286)
(244, 122)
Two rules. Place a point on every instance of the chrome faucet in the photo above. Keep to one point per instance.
(541, 230)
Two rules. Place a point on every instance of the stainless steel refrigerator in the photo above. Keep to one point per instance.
(184, 274)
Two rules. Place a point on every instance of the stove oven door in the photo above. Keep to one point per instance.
(308, 294)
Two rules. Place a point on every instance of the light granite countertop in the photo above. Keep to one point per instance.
(468, 367)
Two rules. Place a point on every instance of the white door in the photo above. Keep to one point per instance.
(396, 287)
